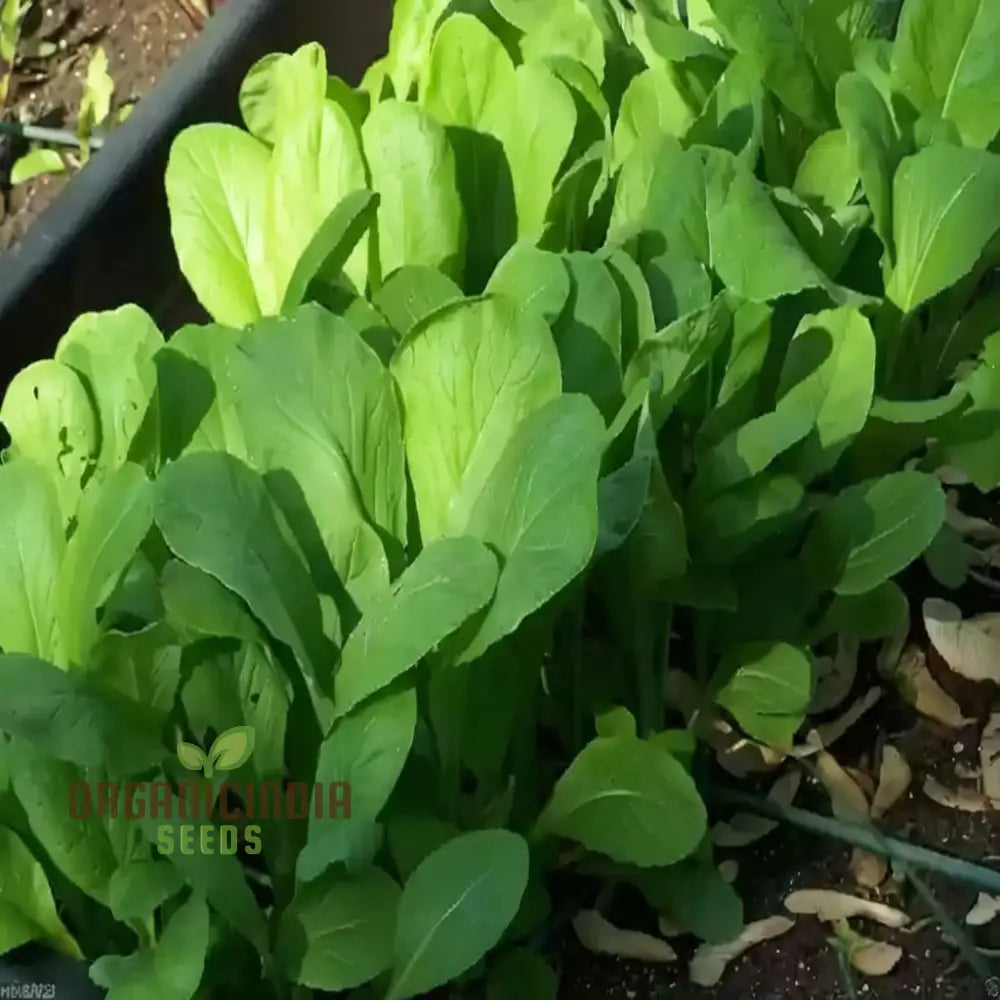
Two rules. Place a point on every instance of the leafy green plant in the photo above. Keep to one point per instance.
(12, 15)
(571, 381)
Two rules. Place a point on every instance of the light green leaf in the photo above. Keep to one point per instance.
(564, 29)
(539, 511)
(872, 531)
(939, 226)
(198, 605)
(366, 749)
(411, 294)
(455, 907)
(139, 887)
(732, 117)
(653, 103)
(280, 86)
(945, 61)
(35, 163)
(170, 971)
(767, 689)
(191, 756)
(828, 172)
(628, 799)
(535, 279)
(468, 374)
(337, 932)
(232, 749)
(413, 26)
(217, 182)
(450, 580)
(27, 909)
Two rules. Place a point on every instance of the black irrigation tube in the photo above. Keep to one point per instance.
(106, 239)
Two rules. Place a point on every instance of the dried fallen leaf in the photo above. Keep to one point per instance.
(710, 961)
(869, 870)
(667, 927)
(970, 647)
(894, 779)
(829, 732)
(989, 757)
(848, 800)
(967, 772)
(920, 690)
(863, 780)
(976, 528)
(745, 828)
(598, 935)
(963, 799)
(834, 676)
(983, 911)
(729, 869)
(831, 906)
(741, 756)
(877, 958)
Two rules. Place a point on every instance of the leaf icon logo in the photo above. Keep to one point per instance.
(230, 750)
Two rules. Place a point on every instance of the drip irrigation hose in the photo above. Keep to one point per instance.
(977, 876)
(53, 136)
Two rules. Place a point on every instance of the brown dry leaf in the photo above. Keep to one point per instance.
(970, 647)
(829, 732)
(598, 935)
(920, 690)
(683, 693)
(967, 772)
(984, 910)
(729, 870)
(710, 960)
(877, 958)
(848, 800)
(863, 780)
(745, 828)
(834, 676)
(894, 779)
(831, 906)
(741, 756)
(989, 757)
(869, 870)
(963, 799)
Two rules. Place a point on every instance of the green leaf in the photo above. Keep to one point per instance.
(170, 971)
(875, 614)
(337, 932)
(455, 907)
(217, 182)
(767, 689)
(653, 103)
(628, 799)
(828, 172)
(97, 728)
(537, 280)
(522, 975)
(191, 756)
(280, 86)
(35, 163)
(216, 515)
(939, 226)
(539, 510)
(232, 749)
(413, 837)
(411, 294)
(450, 580)
(366, 749)
(413, 26)
(113, 353)
(870, 532)
(27, 909)
(140, 886)
(564, 30)
(329, 250)
(412, 164)
(733, 115)
(948, 557)
(198, 604)
(945, 62)
(501, 365)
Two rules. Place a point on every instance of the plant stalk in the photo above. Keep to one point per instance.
(52, 136)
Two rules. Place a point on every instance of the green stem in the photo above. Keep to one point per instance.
(661, 681)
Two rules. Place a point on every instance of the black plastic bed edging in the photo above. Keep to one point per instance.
(105, 240)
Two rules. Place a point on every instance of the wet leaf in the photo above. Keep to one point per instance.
(710, 961)
(596, 934)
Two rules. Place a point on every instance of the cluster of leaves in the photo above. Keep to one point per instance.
(580, 343)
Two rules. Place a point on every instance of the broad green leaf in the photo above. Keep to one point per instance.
(468, 374)
(628, 799)
(334, 459)
(216, 515)
(337, 932)
(411, 294)
(767, 689)
(455, 907)
(638, 319)
(97, 728)
(113, 354)
(198, 605)
(31, 549)
(537, 280)
(870, 532)
(217, 184)
(522, 975)
(568, 29)
(316, 163)
(732, 117)
(27, 909)
(52, 423)
(331, 247)
(539, 511)
(939, 226)
(79, 847)
(525, 14)
(879, 613)
(653, 103)
(172, 970)
(828, 172)
(366, 749)
(115, 514)
(874, 145)
(280, 86)
(412, 164)
(413, 26)
(948, 557)
(450, 580)
(412, 837)
(945, 61)
(139, 887)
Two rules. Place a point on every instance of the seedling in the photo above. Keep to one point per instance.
(230, 750)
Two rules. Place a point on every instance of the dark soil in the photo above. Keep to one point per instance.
(141, 37)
